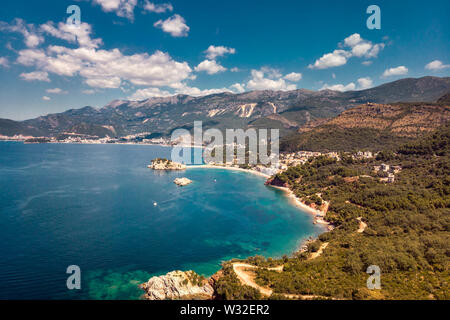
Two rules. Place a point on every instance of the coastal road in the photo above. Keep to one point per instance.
(316, 254)
(247, 278)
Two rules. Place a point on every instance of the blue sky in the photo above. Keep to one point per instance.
(135, 49)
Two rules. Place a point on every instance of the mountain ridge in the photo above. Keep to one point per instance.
(370, 126)
(284, 110)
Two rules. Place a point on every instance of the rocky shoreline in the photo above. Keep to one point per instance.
(179, 285)
(165, 164)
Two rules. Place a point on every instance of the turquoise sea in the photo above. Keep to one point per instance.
(93, 206)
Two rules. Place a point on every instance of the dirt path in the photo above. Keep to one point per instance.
(241, 270)
(319, 252)
(362, 225)
(247, 279)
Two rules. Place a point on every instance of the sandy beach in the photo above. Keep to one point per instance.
(318, 214)
(207, 166)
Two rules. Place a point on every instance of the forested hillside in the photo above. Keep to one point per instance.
(371, 126)
(407, 233)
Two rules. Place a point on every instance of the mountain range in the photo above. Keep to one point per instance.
(288, 111)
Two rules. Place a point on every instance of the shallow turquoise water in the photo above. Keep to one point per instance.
(92, 206)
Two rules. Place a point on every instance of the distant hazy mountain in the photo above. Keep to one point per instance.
(286, 110)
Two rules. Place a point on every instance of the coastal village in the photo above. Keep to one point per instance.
(385, 172)
(87, 139)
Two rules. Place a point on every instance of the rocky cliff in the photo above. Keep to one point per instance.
(178, 285)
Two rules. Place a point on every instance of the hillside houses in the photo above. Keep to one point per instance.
(387, 171)
(363, 155)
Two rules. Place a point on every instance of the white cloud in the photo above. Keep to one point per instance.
(102, 68)
(334, 59)
(268, 79)
(175, 25)
(104, 82)
(436, 65)
(213, 52)
(143, 94)
(196, 92)
(74, 34)
(358, 47)
(401, 70)
(373, 53)
(293, 76)
(210, 67)
(56, 91)
(271, 73)
(237, 87)
(35, 76)
(361, 47)
(45, 98)
(365, 83)
(353, 40)
(108, 68)
(367, 63)
(4, 62)
(235, 69)
(31, 37)
(88, 91)
(123, 8)
(158, 8)
(339, 87)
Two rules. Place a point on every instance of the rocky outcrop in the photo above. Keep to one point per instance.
(276, 182)
(164, 164)
(182, 181)
(177, 285)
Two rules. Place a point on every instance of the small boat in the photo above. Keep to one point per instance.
(155, 204)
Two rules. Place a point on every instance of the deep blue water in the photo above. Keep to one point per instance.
(92, 206)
